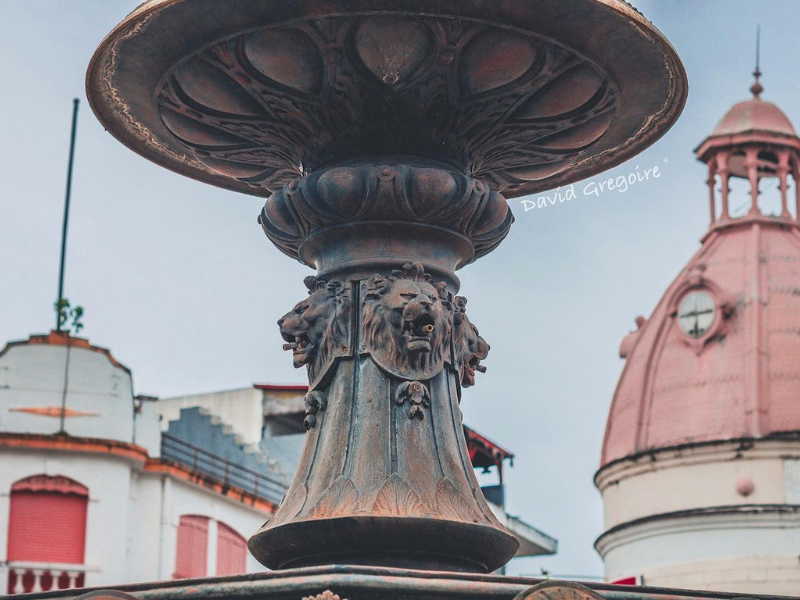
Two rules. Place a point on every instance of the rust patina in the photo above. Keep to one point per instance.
(386, 136)
(380, 583)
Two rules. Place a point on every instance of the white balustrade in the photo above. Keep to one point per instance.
(20, 574)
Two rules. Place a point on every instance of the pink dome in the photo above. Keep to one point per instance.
(741, 379)
(754, 115)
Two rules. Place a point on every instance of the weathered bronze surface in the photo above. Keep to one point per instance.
(385, 477)
(386, 134)
(376, 583)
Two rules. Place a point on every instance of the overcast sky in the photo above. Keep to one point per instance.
(178, 280)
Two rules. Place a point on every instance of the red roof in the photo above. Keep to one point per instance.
(754, 115)
(281, 387)
(744, 383)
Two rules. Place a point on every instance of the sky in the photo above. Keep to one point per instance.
(178, 280)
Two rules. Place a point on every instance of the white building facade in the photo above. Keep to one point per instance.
(86, 497)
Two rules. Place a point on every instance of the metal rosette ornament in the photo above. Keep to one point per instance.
(386, 137)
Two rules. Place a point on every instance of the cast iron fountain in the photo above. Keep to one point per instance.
(386, 137)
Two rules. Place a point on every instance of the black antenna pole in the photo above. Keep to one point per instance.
(758, 46)
(757, 88)
(66, 213)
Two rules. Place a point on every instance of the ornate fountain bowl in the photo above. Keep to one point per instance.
(521, 95)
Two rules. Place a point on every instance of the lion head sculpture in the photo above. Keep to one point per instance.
(407, 322)
(317, 329)
(469, 347)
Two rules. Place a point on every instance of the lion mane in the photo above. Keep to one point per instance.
(407, 321)
(469, 347)
(322, 320)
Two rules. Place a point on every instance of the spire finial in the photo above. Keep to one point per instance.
(757, 88)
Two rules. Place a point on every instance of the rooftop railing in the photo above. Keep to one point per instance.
(220, 469)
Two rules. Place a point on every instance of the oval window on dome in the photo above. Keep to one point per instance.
(696, 314)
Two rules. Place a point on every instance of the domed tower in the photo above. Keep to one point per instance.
(700, 468)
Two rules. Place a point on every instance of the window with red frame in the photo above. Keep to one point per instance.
(192, 552)
(46, 524)
(231, 551)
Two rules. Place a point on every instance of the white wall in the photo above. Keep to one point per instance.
(108, 480)
(186, 499)
(751, 553)
(161, 500)
(700, 477)
(791, 475)
(723, 540)
(145, 547)
(147, 429)
(133, 515)
(33, 377)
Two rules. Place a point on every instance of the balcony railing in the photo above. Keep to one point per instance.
(32, 577)
(221, 470)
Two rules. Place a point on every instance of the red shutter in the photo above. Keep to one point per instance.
(47, 520)
(231, 551)
(192, 553)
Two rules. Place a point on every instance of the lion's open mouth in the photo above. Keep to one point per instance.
(470, 367)
(475, 364)
(417, 332)
(299, 344)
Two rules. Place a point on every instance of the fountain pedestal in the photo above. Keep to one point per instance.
(386, 136)
(388, 347)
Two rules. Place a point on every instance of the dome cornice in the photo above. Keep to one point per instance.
(756, 137)
(778, 446)
(706, 519)
(747, 221)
